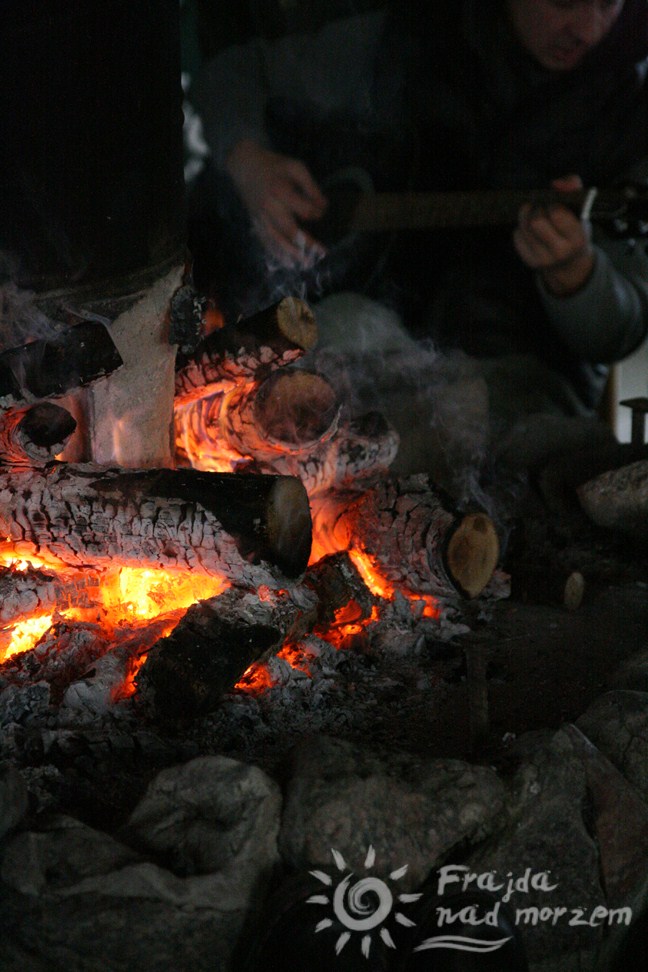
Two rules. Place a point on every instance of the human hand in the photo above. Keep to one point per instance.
(556, 243)
(278, 192)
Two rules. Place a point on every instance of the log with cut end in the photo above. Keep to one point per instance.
(245, 528)
(186, 674)
(535, 584)
(34, 434)
(250, 349)
(414, 541)
(287, 425)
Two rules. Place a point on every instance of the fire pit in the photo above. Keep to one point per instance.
(235, 647)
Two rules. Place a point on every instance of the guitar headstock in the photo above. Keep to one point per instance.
(624, 210)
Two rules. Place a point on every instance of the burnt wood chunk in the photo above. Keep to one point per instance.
(337, 582)
(187, 674)
(53, 366)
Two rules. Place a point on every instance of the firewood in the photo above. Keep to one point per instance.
(223, 525)
(222, 433)
(47, 367)
(34, 591)
(472, 553)
(250, 349)
(337, 582)
(541, 585)
(416, 543)
(34, 434)
(186, 674)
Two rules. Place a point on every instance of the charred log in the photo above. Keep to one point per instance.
(47, 367)
(224, 525)
(35, 434)
(250, 349)
(416, 543)
(187, 674)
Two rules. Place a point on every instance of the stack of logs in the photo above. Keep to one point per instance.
(277, 456)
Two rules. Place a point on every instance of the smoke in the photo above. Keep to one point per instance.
(438, 403)
(21, 320)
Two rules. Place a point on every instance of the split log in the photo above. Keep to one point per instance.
(187, 674)
(250, 349)
(414, 541)
(53, 366)
(245, 528)
(618, 499)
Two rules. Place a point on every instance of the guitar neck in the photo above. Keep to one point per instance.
(426, 210)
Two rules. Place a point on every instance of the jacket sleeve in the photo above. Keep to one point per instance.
(607, 319)
(331, 68)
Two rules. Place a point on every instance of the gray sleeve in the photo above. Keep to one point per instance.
(331, 68)
(608, 318)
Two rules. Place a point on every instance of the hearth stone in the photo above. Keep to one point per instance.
(633, 673)
(80, 899)
(617, 723)
(13, 798)
(412, 811)
(547, 830)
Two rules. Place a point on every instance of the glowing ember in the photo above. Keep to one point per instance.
(255, 680)
(132, 596)
(26, 634)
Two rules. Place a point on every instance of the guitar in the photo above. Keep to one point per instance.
(354, 208)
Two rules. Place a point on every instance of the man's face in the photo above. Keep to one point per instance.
(559, 33)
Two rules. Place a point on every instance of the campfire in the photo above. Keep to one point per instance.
(279, 520)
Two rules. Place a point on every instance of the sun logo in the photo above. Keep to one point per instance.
(363, 906)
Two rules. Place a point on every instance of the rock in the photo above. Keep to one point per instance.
(618, 499)
(617, 723)
(210, 814)
(547, 833)
(79, 899)
(412, 812)
(13, 798)
(632, 674)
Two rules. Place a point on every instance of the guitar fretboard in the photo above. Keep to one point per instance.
(419, 210)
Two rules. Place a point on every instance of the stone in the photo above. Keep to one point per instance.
(632, 674)
(210, 814)
(411, 811)
(618, 499)
(546, 832)
(13, 798)
(80, 899)
(617, 724)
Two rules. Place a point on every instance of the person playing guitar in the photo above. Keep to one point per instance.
(500, 95)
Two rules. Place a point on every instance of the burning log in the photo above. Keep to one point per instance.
(219, 525)
(31, 591)
(187, 674)
(416, 543)
(250, 349)
(34, 434)
(287, 426)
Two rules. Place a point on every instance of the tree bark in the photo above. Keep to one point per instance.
(414, 541)
(250, 349)
(246, 528)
